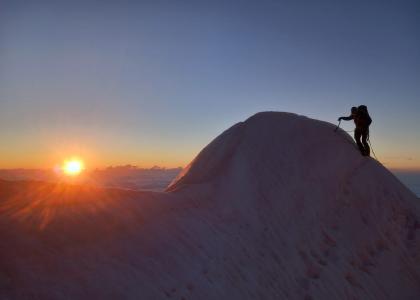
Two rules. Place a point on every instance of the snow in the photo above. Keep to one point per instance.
(277, 207)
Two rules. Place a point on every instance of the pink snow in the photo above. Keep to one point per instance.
(277, 207)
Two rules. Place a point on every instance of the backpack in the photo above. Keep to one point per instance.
(364, 114)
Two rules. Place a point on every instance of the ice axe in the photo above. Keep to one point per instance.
(338, 126)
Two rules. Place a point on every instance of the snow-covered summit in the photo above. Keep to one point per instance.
(279, 206)
(277, 146)
(299, 183)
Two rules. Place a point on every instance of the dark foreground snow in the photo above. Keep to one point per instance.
(277, 207)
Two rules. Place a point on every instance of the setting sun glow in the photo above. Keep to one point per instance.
(73, 167)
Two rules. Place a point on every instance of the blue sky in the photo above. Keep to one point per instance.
(152, 82)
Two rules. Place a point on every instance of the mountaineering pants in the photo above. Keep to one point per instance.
(362, 133)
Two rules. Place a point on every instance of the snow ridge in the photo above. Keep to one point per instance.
(277, 207)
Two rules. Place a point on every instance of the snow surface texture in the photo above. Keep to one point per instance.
(277, 207)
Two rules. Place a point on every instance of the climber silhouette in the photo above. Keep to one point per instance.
(361, 118)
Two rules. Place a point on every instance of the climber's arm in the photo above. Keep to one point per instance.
(346, 118)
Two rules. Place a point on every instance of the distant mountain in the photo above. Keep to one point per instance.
(277, 207)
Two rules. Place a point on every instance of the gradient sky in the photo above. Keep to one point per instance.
(152, 82)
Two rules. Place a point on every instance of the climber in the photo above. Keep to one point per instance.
(362, 120)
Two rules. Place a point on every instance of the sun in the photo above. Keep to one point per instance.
(73, 167)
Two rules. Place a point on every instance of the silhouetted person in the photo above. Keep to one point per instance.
(362, 120)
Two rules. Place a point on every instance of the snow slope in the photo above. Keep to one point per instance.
(277, 207)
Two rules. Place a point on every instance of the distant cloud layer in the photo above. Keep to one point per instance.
(126, 177)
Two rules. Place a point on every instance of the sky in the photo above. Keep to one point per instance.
(152, 82)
